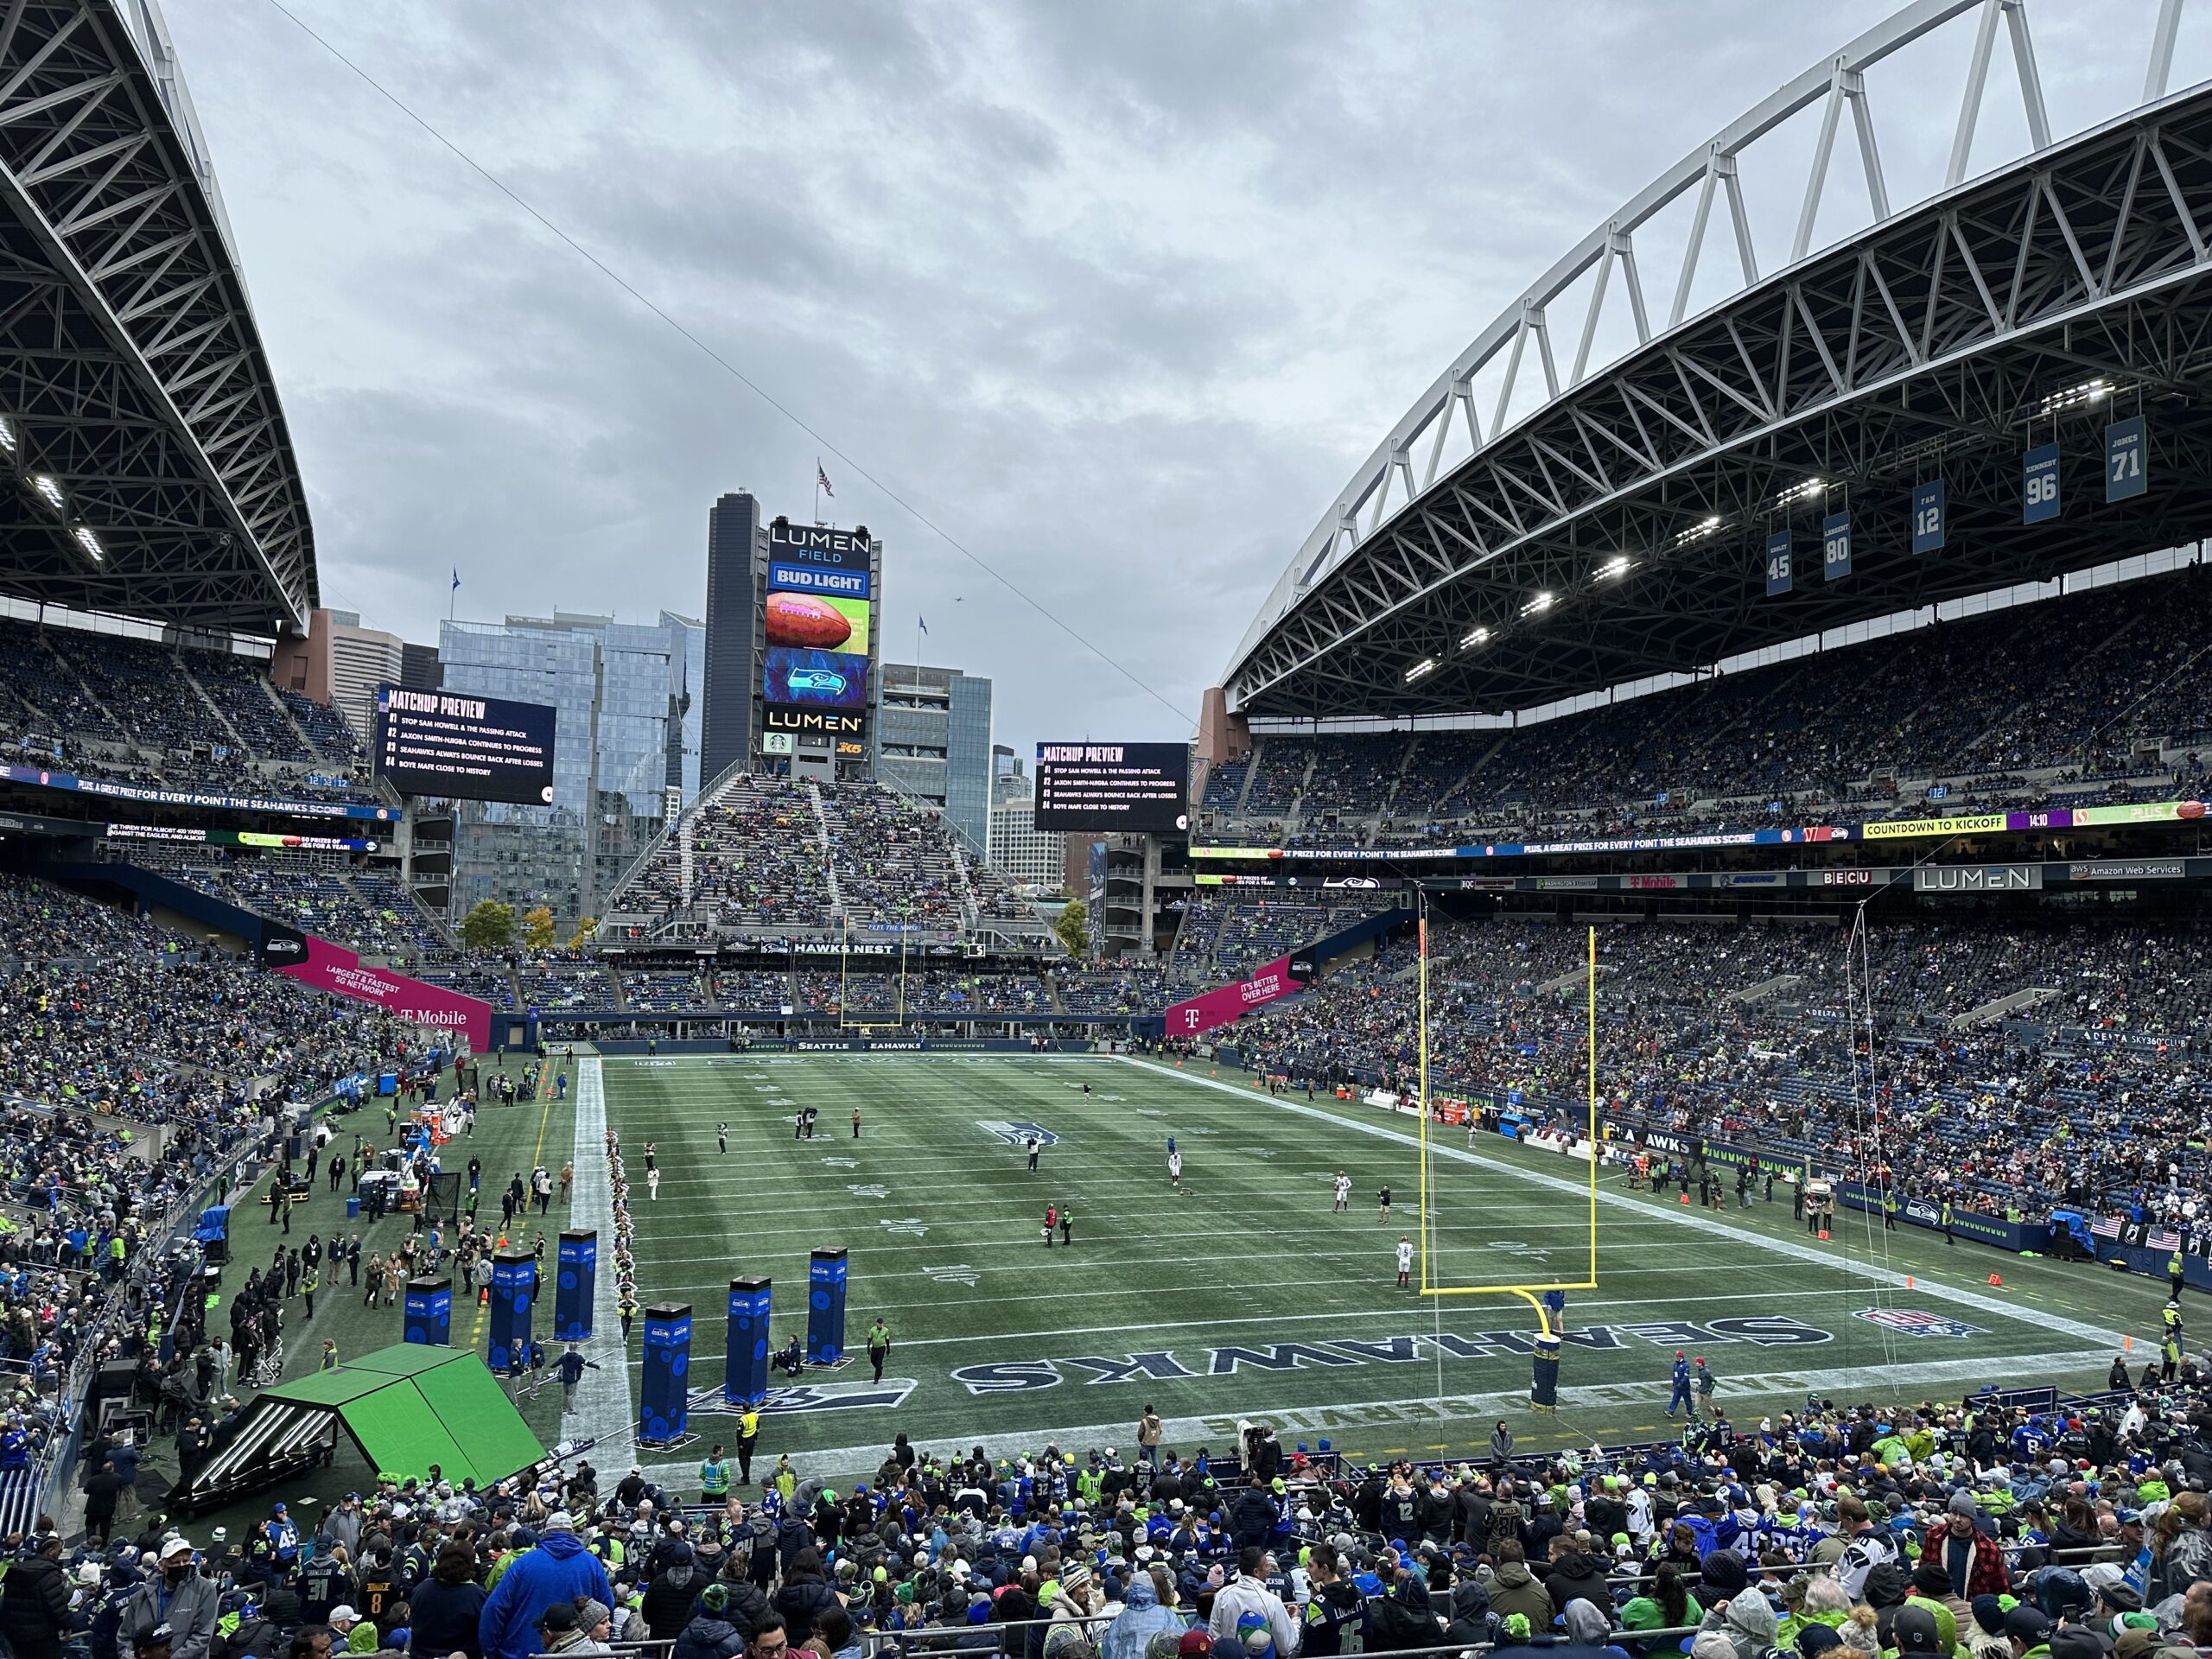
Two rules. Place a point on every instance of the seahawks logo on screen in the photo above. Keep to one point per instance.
(1017, 1134)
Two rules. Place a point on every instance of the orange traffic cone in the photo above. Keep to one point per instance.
(1908, 1281)
(1685, 1197)
(1994, 1280)
(1824, 1234)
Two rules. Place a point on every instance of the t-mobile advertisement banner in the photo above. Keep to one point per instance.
(334, 968)
(1227, 1003)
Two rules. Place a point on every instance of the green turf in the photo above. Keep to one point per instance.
(1244, 1294)
(508, 1139)
(1235, 1297)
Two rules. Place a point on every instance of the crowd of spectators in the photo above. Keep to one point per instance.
(756, 862)
(1970, 1530)
(101, 1008)
(131, 710)
(2093, 1087)
(138, 1068)
(895, 863)
(776, 858)
(367, 911)
(2088, 700)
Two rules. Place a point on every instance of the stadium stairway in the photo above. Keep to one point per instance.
(1245, 789)
(822, 841)
(214, 709)
(970, 914)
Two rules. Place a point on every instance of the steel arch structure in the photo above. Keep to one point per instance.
(1618, 529)
(139, 421)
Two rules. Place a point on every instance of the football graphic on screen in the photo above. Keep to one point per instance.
(803, 619)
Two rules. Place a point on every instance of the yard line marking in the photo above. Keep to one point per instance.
(1395, 1313)
(2104, 1340)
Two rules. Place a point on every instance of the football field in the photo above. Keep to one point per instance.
(1244, 1292)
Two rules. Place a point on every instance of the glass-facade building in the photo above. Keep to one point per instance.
(933, 740)
(619, 691)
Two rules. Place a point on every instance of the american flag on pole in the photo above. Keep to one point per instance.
(2162, 1238)
(822, 479)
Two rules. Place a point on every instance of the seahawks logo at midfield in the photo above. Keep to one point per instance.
(1017, 1134)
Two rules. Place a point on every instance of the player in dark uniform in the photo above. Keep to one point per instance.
(1385, 1196)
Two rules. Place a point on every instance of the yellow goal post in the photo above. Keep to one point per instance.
(1529, 1293)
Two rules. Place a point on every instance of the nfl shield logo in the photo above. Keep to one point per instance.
(1911, 1322)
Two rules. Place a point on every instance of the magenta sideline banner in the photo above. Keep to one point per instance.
(334, 968)
(1227, 1002)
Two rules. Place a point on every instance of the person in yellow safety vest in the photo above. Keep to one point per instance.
(748, 1436)
(606, 1544)
(2173, 1271)
(714, 1476)
(1948, 1239)
(2170, 1356)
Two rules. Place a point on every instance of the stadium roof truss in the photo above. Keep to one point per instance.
(154, 470)
(1618, 530)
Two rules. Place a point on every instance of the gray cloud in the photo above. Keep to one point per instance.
(1118, 295)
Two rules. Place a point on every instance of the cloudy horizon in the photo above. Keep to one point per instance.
(1117, 296)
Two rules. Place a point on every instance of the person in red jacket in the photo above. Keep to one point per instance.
(1052, 1221)
(1969, 1556)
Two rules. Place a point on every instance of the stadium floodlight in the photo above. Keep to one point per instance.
(1474, 637)
(1805, 491)
(8, 439)
(2089, 392)
(1613, 569)
(49, 490)
(1698, 531)
(90, 542)
(1540, 604)
(1426, 665)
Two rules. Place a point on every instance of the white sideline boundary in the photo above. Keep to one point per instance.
(604, 1410)
(1700, 1221)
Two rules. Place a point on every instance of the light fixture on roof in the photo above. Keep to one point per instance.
(45, 487)
(90, 542)
(1426, 665)
(8, 439)
(2088, 391)
(1805, 491)
(1613, 569)
(1539, 605)
(1474, 637)
(1698, 531)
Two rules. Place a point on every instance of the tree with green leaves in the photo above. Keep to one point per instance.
(489, 926)
(1074, 927)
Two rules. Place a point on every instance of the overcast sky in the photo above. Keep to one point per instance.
(1117, 294)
